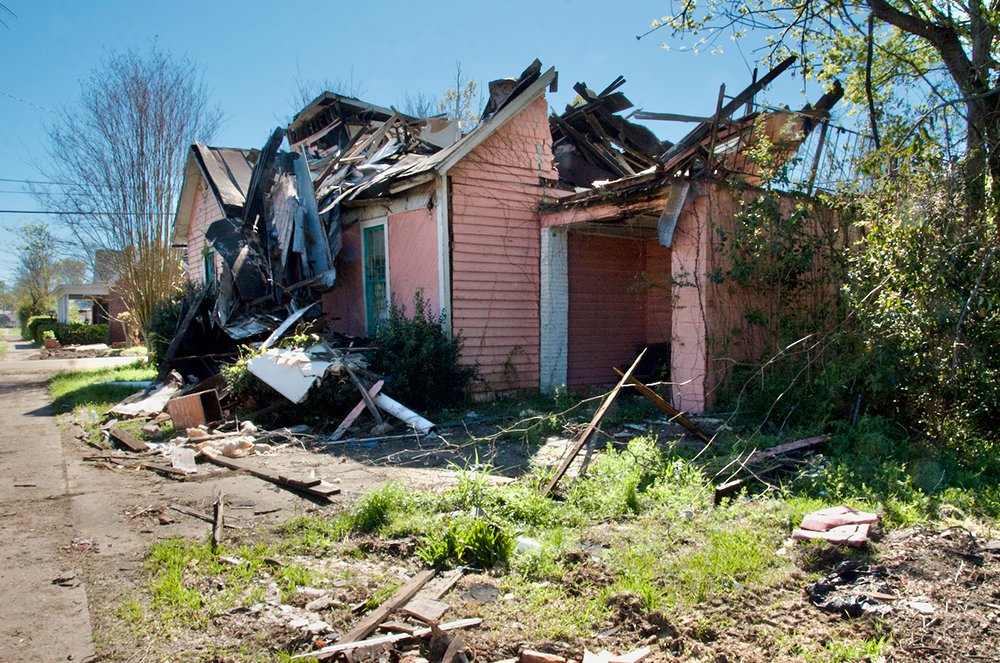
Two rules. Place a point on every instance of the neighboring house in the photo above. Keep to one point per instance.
(215, 185)
(104, 304)
(8, 319)
(544, 271)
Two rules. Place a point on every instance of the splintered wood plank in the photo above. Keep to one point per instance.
(582, 440)
(797, 445)
(386, 639)
(127, 439)
(426, 610)
(379, 615)
(668, 408)
(437, 588)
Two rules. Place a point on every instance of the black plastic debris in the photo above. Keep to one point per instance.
(853, 590)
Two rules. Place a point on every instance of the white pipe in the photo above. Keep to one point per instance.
(404, 414)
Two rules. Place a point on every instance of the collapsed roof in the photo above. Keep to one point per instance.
(283, 227)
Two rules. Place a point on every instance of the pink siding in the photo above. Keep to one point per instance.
(495, 249)
(413, 262)
(607, 313)
(344, 305)
(689, 351)
(206, 211)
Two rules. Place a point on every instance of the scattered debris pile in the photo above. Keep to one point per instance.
(764, 466)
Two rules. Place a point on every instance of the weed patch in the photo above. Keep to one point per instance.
(70, 389)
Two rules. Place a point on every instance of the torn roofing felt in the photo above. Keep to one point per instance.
(226, 171)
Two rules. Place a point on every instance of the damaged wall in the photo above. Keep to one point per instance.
(711, 315)
(340, 304)
(206, 211)
(495, 227)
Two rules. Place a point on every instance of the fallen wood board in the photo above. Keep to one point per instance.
(169, 470)
(797, 445)
(356, 412)
(199, 516)
(438, 587)
(127, 439)
(582, 440)
(658, 401)
(310, 486)
(386, 639)
(393, 603)
(426, 610)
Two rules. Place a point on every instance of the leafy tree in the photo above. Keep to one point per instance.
(461, 101)
(8, 299)
(38, 267)
(917, 67)
(122, 148)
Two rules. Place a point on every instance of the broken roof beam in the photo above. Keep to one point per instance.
(702, 131)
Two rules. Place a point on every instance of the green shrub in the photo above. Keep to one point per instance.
(420, 361)
(76, 334)
(25, 312)
(163, 322)
(70, 334)
(33, 333)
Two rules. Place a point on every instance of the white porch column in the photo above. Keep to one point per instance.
(554, 304)
(62, 309)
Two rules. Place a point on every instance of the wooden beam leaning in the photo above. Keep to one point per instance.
(582, 440)
(182, 328)
(356, 412)
(701, 132)
(668, 408)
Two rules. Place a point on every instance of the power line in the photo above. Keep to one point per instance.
(26, 211)
(31, 104)
(76, 184)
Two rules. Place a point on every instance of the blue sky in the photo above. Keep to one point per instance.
(252, 51)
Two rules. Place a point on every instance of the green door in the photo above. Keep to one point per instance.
(376, 287)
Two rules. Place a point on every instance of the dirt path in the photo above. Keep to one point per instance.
(73, 531)
(43, 602)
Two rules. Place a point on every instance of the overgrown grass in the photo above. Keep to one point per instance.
(3, 346)
(70, 389)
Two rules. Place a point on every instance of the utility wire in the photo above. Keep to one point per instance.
(103, 186)
(31, 104)
(26, 211)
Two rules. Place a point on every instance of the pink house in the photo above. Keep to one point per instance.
(215, 186)
(548, 284)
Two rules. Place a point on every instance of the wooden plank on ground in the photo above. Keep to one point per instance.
(797, 445)
(393, 603)
(582, 440)
(668, 408)
(437, 588)
(321, 489)
(426, 610)
(127, 439)
(356, 412)
(386, 639)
